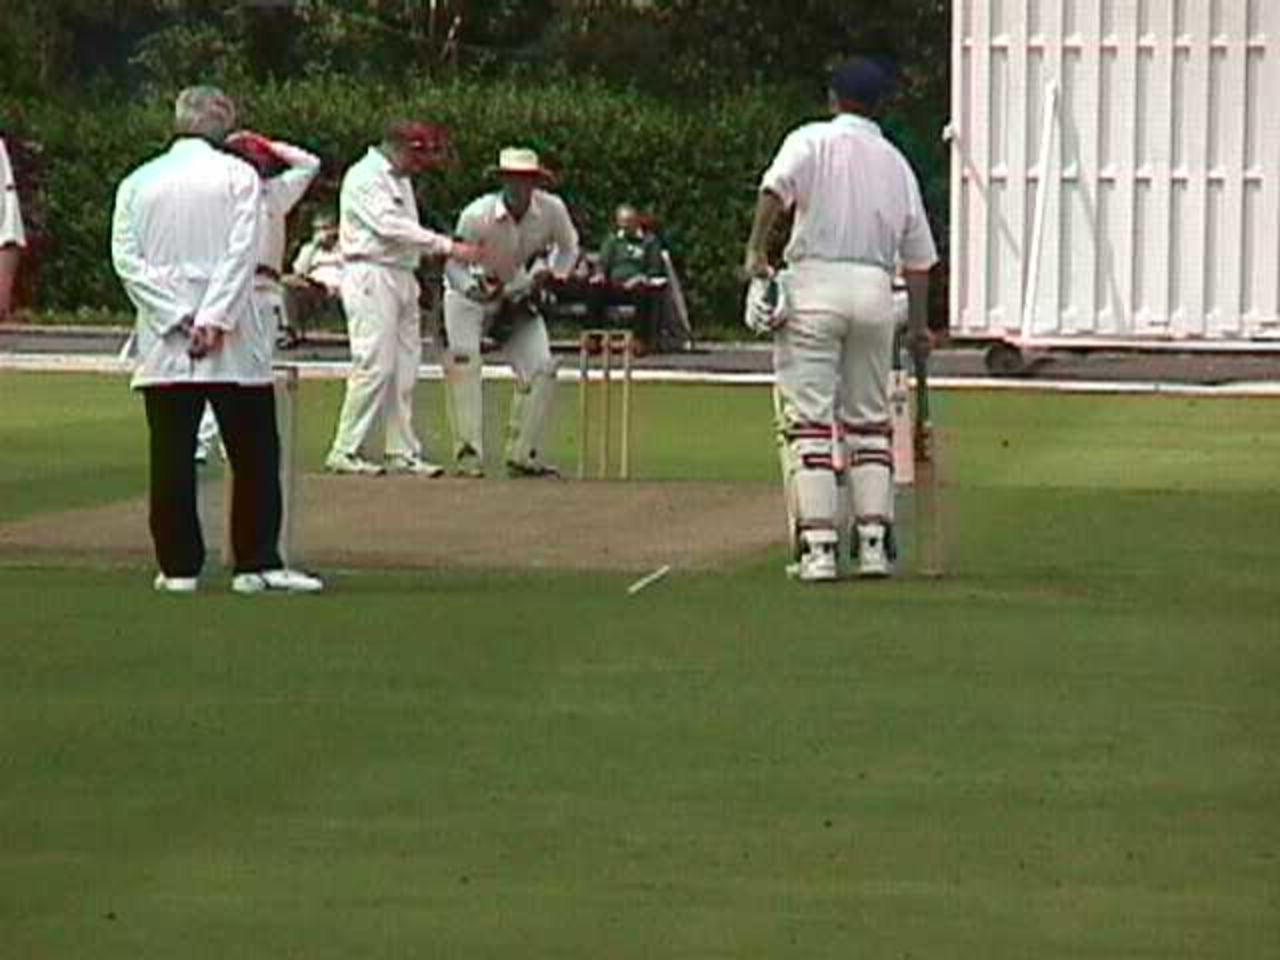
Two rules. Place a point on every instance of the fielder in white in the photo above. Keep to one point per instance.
(528, 240)
(859, 218)
(286, 172)
(382, 242)
(12, 235)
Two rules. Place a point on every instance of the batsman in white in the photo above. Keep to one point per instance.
(858, 218)
(12, 235)
(528, 240)
(382, 242)
(184, 242)
(286, 172)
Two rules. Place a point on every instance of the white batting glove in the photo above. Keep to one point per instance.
(766, 306)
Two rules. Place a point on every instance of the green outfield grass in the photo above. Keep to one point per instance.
(1067, 749)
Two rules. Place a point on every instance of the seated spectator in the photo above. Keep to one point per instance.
(631, 273)
(316, 278)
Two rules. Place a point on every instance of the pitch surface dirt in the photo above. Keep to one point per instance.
(503, 524)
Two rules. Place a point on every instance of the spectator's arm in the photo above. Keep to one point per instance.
(302, 262)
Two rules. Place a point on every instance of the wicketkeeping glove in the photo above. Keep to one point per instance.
(484, 286)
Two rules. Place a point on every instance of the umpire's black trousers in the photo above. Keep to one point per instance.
(247, 421)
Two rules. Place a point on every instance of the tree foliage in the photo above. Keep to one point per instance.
(674, 104)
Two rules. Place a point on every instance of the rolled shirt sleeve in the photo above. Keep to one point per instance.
(564, 240)
(303, 168)
(785, 177)
(917, 250)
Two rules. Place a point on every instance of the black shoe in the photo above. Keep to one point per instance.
(532, 468)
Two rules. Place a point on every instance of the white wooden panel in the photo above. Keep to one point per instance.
(1161, 194)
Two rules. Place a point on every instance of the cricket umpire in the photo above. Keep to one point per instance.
(858, 219)
(184, 243)
(382, 242)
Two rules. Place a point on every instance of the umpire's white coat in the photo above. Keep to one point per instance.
(184, 242)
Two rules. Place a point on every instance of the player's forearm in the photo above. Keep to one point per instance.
(768, 209)
(917, 300)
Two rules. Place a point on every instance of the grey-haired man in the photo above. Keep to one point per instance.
(184, 243)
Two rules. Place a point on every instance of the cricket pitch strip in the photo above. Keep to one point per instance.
(408, 522)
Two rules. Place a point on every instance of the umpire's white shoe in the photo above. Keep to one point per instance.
(818, 561)
(166, 584)
(276, 581)
(873, 557)
(352, 464)
(412, 463)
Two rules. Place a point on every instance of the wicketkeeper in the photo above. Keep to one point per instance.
(858, 219)
(528, 240)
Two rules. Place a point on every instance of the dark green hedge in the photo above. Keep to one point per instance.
(695, 166)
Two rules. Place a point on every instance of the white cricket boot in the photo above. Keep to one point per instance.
(873, 556)
(818, 562)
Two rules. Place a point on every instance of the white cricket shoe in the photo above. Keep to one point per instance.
(818, 561)
(278, 581)
(414, 464)
(165, 584)
(818, 566)
(873, 558)
(352, 464)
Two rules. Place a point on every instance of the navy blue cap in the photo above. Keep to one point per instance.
(864, 80)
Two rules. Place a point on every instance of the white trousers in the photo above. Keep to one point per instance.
(384, 329)
(832, 361)
(529, 353)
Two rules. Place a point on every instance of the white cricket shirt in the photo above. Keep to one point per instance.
(855, 196)
(510, 244)
(378, 216)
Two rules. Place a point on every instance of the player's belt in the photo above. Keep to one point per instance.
(856, 261)
(271, 273)
(375, 262)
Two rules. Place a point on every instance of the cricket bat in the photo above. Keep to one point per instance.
(929, 540)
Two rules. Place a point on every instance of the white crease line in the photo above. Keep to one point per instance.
(338, 369)
(648, 579)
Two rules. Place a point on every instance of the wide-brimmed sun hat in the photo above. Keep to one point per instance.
(520, 161)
